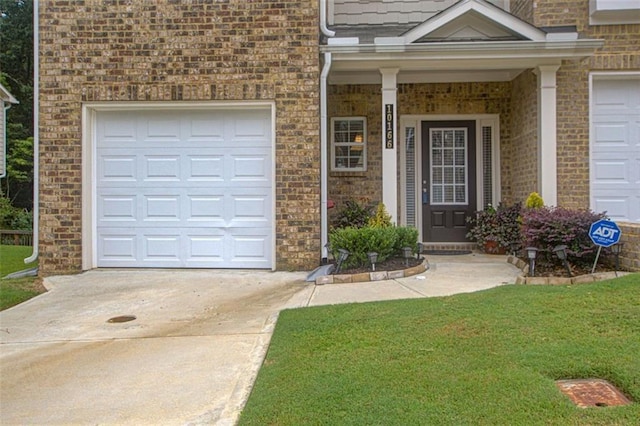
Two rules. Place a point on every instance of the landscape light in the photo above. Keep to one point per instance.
(561, 252)
(532, 252)
(342, 256)
(373, 258)
(406, 252)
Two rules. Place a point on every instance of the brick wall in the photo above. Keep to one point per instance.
(630, 254)
(365, 187)
(520, 167)
(168, 50)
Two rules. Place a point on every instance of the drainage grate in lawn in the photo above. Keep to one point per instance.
(592, 393)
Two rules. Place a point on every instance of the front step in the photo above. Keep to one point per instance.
(427, 247)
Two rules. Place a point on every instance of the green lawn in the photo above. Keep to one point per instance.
(487, 358)
(14, 291)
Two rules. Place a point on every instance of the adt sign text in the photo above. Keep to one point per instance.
(604, 233)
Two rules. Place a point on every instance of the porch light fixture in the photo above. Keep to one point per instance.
(561, 252)
(616, 249)
(342, 256)
(532, 252)
(406, 253)
(419, 252)
(373, 258)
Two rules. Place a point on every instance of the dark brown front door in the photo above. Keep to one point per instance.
(448, 179)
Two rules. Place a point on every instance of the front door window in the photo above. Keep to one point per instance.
(449, 166)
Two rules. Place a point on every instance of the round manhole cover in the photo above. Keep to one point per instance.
(122, 318)
(592, 393)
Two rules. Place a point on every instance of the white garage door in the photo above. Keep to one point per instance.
(615, 150)
(184, 189)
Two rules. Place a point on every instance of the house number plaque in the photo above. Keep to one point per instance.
(388, 126)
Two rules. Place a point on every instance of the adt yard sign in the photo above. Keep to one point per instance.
(604, 233)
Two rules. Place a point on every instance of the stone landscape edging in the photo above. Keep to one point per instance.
(580, 279)
(372, 276)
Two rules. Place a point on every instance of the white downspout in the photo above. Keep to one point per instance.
(36, 131)
(324, 164)
(323, 19)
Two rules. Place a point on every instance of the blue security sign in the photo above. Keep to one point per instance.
(604, 233)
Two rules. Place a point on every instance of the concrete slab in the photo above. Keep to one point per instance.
(194, 349)
(191, 355)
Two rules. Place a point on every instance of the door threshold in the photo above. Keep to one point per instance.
(449, 247)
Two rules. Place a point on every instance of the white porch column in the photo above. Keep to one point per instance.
(547, 134)
(390, 142)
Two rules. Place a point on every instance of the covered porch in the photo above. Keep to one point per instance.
(443, 119)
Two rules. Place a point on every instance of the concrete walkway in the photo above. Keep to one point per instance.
(194, 349)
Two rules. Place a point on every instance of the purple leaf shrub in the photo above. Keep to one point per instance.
(547, 227)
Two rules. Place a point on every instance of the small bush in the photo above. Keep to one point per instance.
(381, 219)
(534, 201)
(386, 241)
(502, 225)
(14, 218)
(353, 215)
(546, 228)
(406, 237)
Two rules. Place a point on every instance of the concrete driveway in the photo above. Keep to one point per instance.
(190, 356)
(194, 349)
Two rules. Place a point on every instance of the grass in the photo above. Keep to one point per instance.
(485, 358)
(17, 290)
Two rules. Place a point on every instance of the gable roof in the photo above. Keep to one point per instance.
(473, 20)
(7, 97)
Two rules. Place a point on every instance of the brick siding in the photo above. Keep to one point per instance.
(168, 50)
(630, 254)
(520, 168)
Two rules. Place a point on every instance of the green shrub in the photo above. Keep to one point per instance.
(14, 218)
(381, 219)
(406, 237)
(534, 201)
(386, 241)
(353, 214)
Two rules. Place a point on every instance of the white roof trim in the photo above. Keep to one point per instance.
(487, 10)
(5, 96)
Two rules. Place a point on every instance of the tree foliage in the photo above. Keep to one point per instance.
(16, 74)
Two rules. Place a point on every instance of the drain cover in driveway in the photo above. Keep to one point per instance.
(592, 393)
(122, 318)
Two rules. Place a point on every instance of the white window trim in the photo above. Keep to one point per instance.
(334, 144)
(482, 120)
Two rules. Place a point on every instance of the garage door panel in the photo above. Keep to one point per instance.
(161, 208)
(117, 208)
(250, 247)
(194, 189)
(162, 167)
(206, 207)
(615, 148)
(205, 168)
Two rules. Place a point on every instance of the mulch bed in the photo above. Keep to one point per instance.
(392, 264)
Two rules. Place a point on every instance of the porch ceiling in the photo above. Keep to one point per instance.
(450, 61)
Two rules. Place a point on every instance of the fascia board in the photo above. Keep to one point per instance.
(560, 48)
(6, 96)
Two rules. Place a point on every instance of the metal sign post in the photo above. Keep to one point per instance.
(603, 233)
